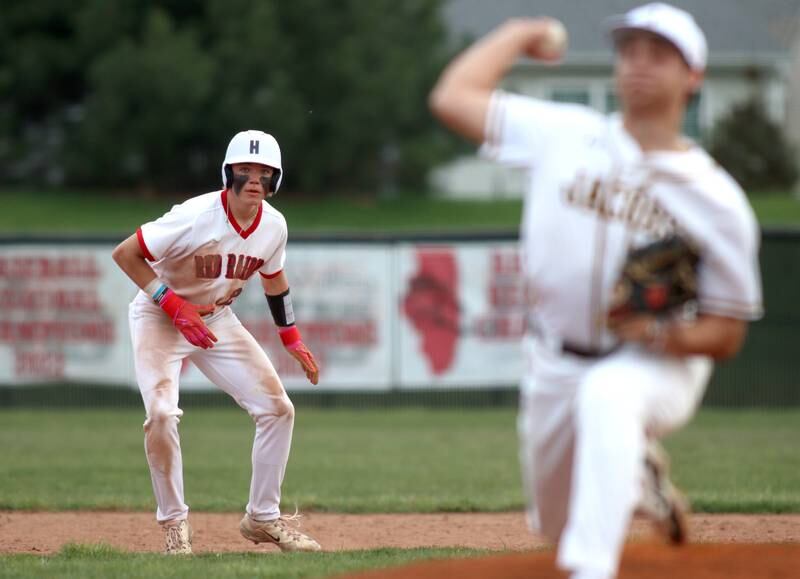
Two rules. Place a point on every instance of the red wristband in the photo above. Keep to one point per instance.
(289, 336)
(171, 303)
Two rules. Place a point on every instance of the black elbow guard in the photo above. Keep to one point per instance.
(281, 308)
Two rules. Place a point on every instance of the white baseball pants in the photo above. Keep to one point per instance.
(583, 426)
(237, 365)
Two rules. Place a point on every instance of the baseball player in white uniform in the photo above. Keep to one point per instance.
(191, 264)
(593, 398)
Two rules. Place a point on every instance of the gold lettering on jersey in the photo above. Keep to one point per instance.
(208, 266)
(239, 271)
(237, 266)
(251, 264)
(613, 200)
(228, 299)
(241, 266)
(230, 266)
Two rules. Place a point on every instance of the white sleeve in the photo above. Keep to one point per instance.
(168, 236)
(519, 129)
(729, 275)
(277, 260)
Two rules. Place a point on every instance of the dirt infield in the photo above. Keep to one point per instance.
(640, 561)
(45, 533)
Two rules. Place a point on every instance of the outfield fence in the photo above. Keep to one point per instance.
(395, 320)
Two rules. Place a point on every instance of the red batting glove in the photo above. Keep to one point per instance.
(186, 317)
(293, 343)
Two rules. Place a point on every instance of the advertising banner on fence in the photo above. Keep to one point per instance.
(460, 315)
(63, 315)
(377, 316)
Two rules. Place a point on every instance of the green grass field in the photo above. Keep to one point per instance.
(348, 461)
(368, 460)
(344, 460)
(51, 212)
(76, 213)
(102, 562)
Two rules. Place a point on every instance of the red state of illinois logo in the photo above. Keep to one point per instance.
(431, 304)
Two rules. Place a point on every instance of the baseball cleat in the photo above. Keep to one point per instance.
(178, 539)
(661, 501)
(278, 532)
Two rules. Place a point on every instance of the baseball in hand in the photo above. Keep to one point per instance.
(553, 41)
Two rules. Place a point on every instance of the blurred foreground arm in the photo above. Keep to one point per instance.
(460, 99)
(710, 335)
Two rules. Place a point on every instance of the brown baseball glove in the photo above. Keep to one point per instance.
(656, 279)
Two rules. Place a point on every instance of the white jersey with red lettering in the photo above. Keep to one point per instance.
(200, 251)
(592, 194)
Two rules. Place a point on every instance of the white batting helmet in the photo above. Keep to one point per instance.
(253, 147)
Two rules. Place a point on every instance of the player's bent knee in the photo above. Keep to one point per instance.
(277, 407)
(284, 407)
(162, 411)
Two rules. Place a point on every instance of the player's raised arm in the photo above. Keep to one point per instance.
(461, 96)
(276, 288)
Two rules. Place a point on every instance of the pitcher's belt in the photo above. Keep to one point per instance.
(576, 350)
(567, 347)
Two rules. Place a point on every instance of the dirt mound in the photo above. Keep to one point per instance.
(46, 532)
(640, 561)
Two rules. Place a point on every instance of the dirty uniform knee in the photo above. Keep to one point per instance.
(277, 407)
(289, 409)
(284, 408)
(161, 412)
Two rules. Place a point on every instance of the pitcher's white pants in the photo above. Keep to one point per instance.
(583, 427)
(239, 366)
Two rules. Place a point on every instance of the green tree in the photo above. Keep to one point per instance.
(143, 107)
(253, 86)
(343, 86)
(363, 71)
(753, 149)
(40, 76)
(147, 93)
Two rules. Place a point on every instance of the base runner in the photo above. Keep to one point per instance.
(191, 264)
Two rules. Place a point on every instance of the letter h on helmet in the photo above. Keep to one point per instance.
(253, 147)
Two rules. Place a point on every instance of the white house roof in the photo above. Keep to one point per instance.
(738, 31)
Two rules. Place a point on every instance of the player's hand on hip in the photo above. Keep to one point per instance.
(193, 327)
(294, 345)
(186, 318)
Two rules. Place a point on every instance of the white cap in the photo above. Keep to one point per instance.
(254, 147)
(675, 25)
